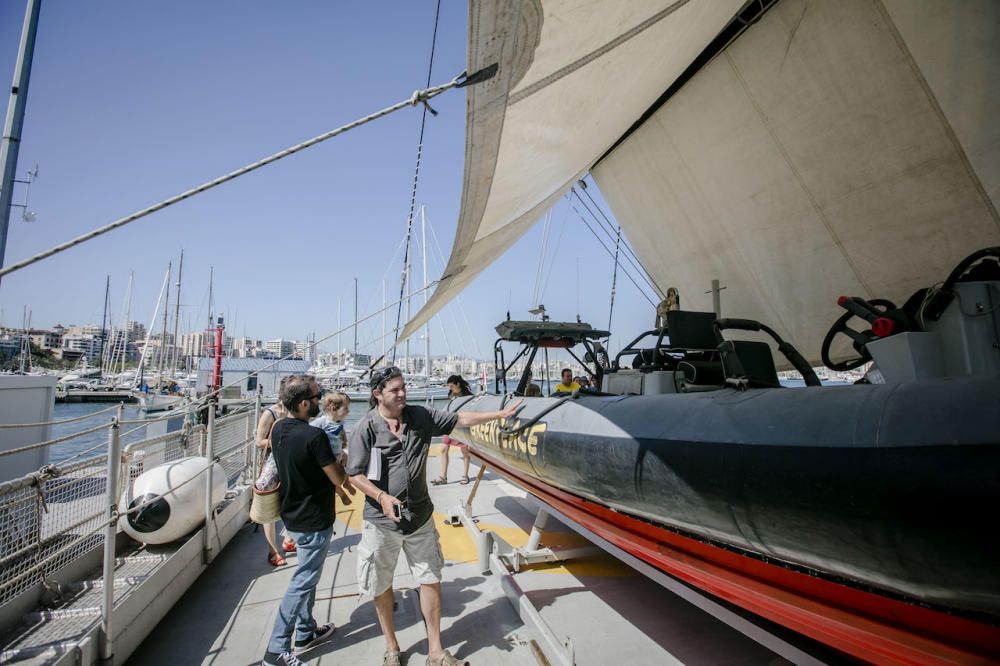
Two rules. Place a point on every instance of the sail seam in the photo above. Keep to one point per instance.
(595, 54)
(798, 178)
(938, 111)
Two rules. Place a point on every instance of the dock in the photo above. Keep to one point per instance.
(601, 610)
(94, 396)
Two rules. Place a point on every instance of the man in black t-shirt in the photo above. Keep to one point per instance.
(310, 476)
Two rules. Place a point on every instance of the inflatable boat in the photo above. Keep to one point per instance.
(860, 515)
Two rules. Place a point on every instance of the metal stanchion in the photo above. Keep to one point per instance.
(209, 453)
(110, 537)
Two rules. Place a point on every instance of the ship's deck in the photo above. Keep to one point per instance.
(610, 613)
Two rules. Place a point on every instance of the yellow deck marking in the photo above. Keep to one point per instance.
(457, 546)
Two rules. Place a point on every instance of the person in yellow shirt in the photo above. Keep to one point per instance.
(567, 385)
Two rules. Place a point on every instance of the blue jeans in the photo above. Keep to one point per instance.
(295, 612)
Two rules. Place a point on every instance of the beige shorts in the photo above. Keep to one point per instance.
(378, 553)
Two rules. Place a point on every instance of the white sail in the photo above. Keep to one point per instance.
(837, 147)
(572, 78)
(834, 148)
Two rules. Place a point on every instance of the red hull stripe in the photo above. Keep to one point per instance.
(863, 624)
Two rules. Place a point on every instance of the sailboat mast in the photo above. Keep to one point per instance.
(355, 320)
(427, 326)
(104, 323)
(163, 331)
(211, 275)
(11, 140)
(149, 331)
(340, 349)
(385, 345)
(177, 314)
(409, 297)
(125, 320)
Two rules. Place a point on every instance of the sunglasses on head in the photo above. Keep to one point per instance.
(381, 376)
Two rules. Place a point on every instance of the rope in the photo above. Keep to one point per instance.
(57, 440)
(610, 254)
(59, 421)
(629, 253)
(418, 97)
(413, 193)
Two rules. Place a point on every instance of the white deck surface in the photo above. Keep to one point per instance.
(612, 614)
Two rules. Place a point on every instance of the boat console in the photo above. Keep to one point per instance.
(951, 330)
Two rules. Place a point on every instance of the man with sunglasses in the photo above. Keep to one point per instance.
(310, 477)
(387, 460)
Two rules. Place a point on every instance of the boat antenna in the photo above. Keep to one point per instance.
(413, 192)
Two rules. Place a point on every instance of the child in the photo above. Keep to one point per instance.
(336, 406)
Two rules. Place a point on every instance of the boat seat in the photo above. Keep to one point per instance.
(758, 364)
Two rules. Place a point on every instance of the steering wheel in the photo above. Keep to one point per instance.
(859, 339)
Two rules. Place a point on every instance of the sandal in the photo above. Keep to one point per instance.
(392, 658)
(464, 481)
(440, 481)
(275, 559)
(445, 659)
(288, 545)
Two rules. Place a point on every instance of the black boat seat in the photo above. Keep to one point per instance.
(758, 363)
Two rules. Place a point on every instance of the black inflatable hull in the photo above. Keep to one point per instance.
(886, 488)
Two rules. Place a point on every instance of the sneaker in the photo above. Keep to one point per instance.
(283, 659)
(288, 546)
(320, 635)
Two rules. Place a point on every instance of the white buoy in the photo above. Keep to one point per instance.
(171, 515)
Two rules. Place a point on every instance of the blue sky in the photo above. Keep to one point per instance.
(133, 102)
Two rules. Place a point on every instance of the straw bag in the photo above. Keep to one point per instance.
(265, 507)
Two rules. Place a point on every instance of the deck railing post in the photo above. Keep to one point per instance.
(110, 537)
(252, 439)
(209, 454)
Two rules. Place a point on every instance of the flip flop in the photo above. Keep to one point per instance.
(440, 481)
(464, 481)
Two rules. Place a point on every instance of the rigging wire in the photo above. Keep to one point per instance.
(416, 179)
(614, 278)
(555, 253)
(418, 97)
(609, 231)
(541, 258)
(611, 254)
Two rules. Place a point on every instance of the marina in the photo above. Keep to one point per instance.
(772, 440)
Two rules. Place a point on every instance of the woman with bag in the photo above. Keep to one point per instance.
(266, 500)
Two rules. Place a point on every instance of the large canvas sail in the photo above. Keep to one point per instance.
(572, 78)
(834, 148)
(831, 148)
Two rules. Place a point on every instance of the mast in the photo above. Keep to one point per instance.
(340, 349)
(177, 315)
(211, 275)
(385, 347)
(11, 140)
(427, 326)
(104, 323)
(409, 294)
(149, 331)
(355, 320)
(163, 332)
(125, 320)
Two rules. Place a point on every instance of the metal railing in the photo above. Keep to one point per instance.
(61, 513)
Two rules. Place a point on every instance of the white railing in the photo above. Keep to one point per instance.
(61, 513)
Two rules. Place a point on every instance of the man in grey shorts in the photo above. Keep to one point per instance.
(387, 460)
